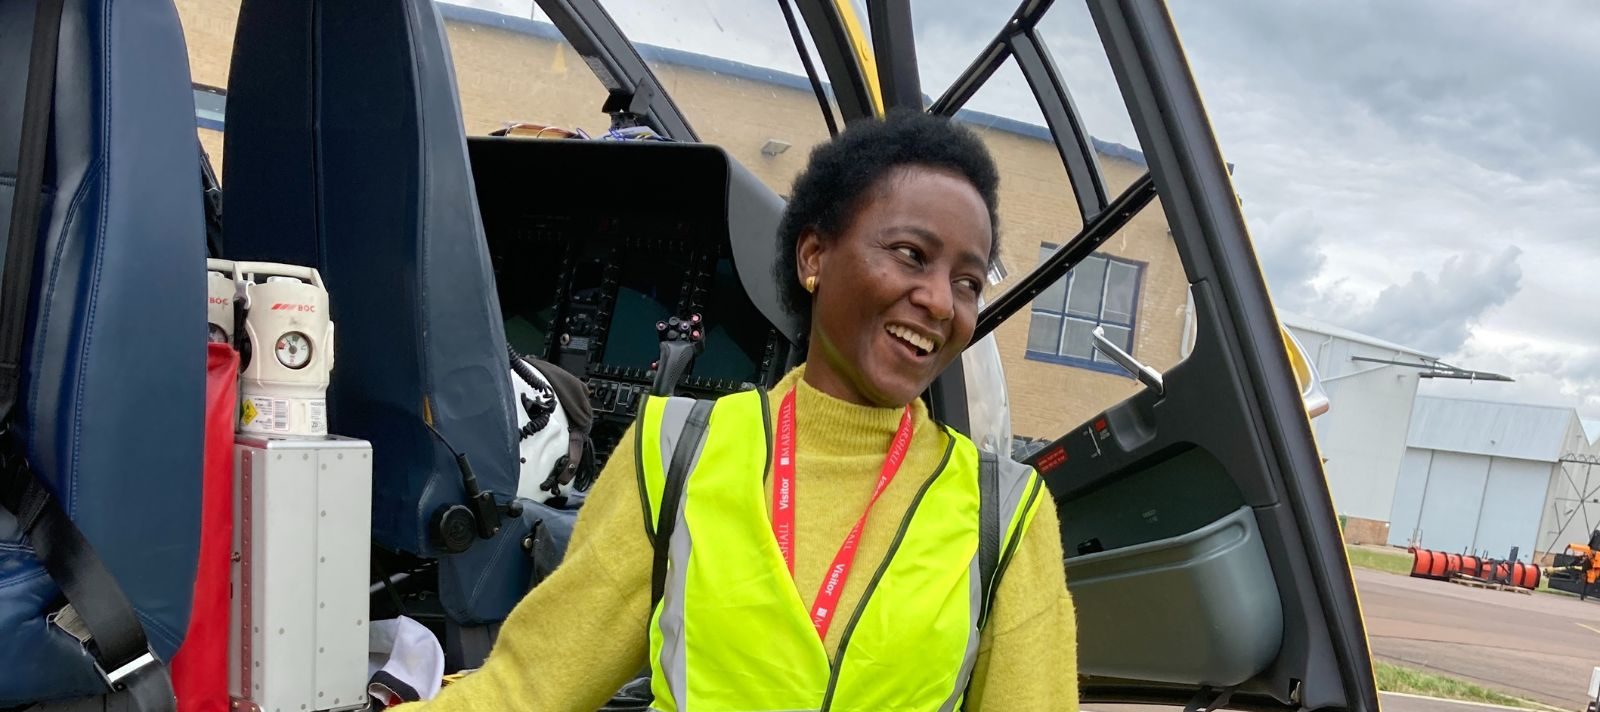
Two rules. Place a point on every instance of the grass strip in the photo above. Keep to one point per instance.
(1396, 678)
(1394, 563)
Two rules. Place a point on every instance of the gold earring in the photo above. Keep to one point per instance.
(811, 283)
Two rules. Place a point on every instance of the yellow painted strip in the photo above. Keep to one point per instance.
(1587, 627)
(864, 54)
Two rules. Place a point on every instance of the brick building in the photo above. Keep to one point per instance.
(512, 69)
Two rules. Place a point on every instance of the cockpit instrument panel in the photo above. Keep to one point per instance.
(593, 243)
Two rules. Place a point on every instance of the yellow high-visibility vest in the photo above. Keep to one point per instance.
(730, 632)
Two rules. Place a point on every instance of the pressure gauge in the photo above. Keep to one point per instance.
(294, 350)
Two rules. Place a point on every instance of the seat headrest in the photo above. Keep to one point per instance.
(114, 364)
(346, 151)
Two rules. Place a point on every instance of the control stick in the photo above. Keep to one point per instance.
(681, 340)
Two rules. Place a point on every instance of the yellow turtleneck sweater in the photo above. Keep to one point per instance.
(578, 637)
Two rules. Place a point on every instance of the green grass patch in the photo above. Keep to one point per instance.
(1398, 562)
(1395, 678)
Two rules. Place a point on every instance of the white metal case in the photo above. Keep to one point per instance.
(303, 522)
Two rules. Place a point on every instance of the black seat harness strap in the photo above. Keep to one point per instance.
(100, 615)
(990, 531)
(694, 432)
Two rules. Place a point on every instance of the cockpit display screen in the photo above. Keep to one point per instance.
(649, 290)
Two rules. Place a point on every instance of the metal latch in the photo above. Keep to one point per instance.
(115, 677)
(1145, 374)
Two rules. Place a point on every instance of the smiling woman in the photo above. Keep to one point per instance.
(893, 227)
(759, 532)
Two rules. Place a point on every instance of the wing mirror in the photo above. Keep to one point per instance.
(1305, 374)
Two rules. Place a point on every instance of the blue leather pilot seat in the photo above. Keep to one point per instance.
(112, 395)
(346, 150)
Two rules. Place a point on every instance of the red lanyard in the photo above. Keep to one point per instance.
(783, 509)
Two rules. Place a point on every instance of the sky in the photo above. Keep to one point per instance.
(1424, 172)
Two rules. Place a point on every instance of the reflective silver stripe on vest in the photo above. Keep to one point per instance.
(674, 643)
(1014, 481)
(1013, 485)
(673, 416)
(975, 587)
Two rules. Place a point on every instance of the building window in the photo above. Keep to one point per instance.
(1100, 291)
(210, 106)
(998, 272)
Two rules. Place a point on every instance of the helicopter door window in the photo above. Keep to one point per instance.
(1067, 32)
(732, 68)
(515, 70)
(1132, 288)
(950, 34)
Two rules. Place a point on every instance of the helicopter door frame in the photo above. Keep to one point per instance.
(1020, 39)
(894, 47)
(1198, 198)
(616, 63)
(841, 46)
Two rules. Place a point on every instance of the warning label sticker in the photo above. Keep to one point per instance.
(280, 416)
(264, 415)
(317, 415)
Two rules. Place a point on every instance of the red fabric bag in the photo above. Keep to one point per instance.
(200, 667)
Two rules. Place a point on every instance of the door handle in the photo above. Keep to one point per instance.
(1146, 375)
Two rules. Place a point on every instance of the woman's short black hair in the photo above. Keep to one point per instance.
(828, 193)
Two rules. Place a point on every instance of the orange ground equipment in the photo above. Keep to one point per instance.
(1421, 561)
(1443, 566)
(1578, 568)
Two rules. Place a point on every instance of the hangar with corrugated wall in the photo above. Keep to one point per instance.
(1482, 477)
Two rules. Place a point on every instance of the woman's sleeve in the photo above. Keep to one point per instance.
(573, 641)
(1028, 654)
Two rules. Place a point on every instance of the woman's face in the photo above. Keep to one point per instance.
(897, 290)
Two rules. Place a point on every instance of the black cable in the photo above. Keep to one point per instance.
(469, 481)
(520, 366)
(811, 69)
(539, 411)
(440, 436)
(388, 586)
(538, 414)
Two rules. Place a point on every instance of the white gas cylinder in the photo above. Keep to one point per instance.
(283, 390)
(220, 292)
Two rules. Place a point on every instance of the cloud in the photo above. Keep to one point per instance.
(1433, 313)
(1494, 86)
(1289, 249)
(1436, 314)
(1447, 153)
